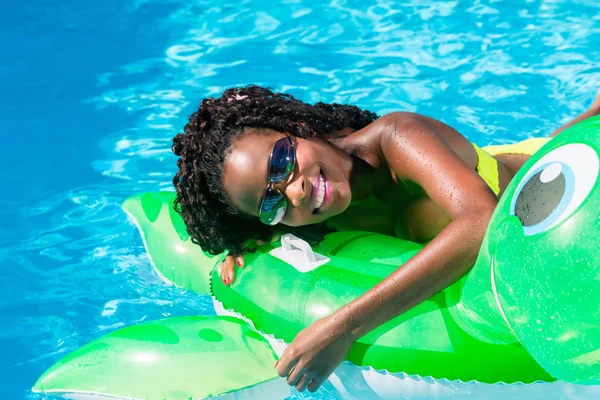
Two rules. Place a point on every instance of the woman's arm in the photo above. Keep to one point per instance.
(590, 112)
(414, 151)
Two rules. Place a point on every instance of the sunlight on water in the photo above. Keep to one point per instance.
(129, 74)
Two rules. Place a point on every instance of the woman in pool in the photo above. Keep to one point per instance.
(253, 160)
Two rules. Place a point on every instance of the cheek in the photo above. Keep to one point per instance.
(307, 155)
(297, 217)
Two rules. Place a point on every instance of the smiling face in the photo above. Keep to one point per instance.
(317, 189)
(542, 253)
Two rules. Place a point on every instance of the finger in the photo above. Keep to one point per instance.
(315, 384)
(276, 236)
(303, 382)
(286, 363)
(295, 374)
(239, 260)
(227, 270)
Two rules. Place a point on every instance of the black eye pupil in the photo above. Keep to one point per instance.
(538, 199)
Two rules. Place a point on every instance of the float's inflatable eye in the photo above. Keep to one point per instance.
(555, 186)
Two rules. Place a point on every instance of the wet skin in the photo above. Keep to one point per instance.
(401, 146)
(454, 208)
(353, 167)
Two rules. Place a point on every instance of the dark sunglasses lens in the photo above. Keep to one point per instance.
(282, 160)
(272, 208)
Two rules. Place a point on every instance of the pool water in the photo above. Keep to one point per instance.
(94, 91)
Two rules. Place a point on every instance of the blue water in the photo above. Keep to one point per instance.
(92, 93)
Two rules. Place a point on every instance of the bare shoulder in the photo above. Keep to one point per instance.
(425, 136)
(407, 123)
(395, 133)
(366, 143)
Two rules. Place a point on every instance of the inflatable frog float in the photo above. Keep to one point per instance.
(523, 323)
(537, 277)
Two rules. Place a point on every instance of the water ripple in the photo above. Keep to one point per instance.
(496, 71)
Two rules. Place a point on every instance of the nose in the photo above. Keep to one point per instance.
(296, 190)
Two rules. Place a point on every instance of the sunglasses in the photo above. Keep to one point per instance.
(282, 162)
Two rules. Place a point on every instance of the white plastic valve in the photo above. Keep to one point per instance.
(298, 254)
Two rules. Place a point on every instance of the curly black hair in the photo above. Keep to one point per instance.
(211, 221)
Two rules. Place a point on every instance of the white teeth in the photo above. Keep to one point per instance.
(321, 193)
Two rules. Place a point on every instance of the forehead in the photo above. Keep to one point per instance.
(245, 169)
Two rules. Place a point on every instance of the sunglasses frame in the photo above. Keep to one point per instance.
(272, 190)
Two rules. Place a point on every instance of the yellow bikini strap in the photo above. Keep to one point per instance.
(487, 168)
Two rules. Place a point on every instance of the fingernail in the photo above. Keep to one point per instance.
(276, 363)
(239, 263)
(227, 281)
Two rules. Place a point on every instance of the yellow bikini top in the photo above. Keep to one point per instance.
(487, 166)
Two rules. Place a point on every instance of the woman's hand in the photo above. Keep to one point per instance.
(315, 353)
(228, 267)
(234, 261)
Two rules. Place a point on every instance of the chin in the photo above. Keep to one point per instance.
(332, 212)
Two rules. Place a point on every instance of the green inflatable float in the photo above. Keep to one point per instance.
(537, 278)
(174, 358)
(528, 311)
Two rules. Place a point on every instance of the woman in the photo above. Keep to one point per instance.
(253, 160)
